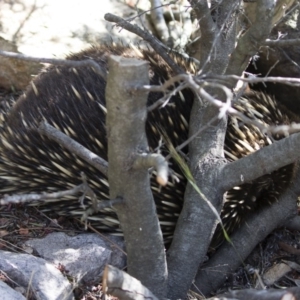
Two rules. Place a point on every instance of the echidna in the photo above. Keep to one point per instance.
(73, 101)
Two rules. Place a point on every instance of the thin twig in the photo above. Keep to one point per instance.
(32, 10)
(14, 199)
(72, 63)
(155, 44)
(67, 142)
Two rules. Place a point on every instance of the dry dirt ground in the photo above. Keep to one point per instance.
(52, 28)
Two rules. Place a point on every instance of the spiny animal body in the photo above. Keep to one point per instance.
(73, 101)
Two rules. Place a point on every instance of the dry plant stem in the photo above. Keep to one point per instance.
(206, 32)
(292, 81)
(51, 220)
(109, 203)
(281, 43)
(84, 63)
(100, 206)
(187, 25)
(74, 147)
(227, 259)
(155, 44)
(11, 247)
(32, 10)
(126, 117)
(38, 197)
(188, 81)
(202, 12)
(158, 20)
(226, 108)
(123, 286)
(269, 294)
(250, 42)
(217, 44)
(2, 273)
(197, 222)
(156, 161)
(259, 163)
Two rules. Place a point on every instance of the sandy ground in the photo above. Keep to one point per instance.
(54, 28)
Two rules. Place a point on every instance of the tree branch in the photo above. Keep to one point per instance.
(155, 44)
(261, 162)
(74, 147)
(123, 286)
(254, 230)
(126, 117)
(72, 63)
(250, 42)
